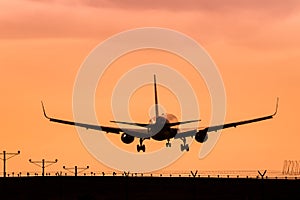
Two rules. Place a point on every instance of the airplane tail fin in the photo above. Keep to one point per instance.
(155, 98)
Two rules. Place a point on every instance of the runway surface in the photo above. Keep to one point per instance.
(122, 187)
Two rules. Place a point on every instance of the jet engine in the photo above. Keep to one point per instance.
(127, 139)
(201, 136)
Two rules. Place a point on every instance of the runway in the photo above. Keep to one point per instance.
(122, 187)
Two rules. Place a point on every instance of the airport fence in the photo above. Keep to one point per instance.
(251, 174)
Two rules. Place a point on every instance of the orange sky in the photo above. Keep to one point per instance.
(255, 45)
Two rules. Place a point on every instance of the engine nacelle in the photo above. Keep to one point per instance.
(201, 136)
(127, 139)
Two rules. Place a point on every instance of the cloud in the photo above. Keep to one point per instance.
(267, 6)
(274, 7)
(235, 22)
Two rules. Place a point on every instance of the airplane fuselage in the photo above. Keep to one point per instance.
(160, 129)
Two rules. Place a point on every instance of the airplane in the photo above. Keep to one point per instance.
(159, 127)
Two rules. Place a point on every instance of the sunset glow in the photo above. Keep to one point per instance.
(255, 45)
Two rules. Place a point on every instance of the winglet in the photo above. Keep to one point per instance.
(276, 107)
(44, 111)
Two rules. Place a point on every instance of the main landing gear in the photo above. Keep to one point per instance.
(141, 146)
(184, 146)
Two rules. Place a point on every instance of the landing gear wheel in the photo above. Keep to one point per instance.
(184, 147)
(140, 148)
(187, 148)
(168, 144)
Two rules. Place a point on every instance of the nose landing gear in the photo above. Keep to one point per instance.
(141, 146)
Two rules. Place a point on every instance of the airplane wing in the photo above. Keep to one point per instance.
(139, 133)
(193, 132)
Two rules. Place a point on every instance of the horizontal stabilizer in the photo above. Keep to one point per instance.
(183, 122)
(131, 123)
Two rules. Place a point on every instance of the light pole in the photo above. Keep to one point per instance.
(10, 155)
(42, 164)
(76, 169)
